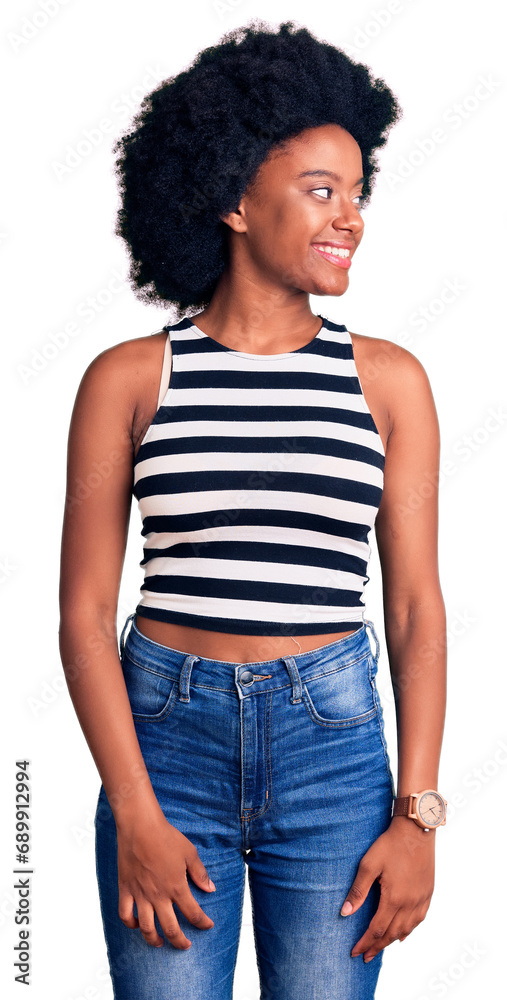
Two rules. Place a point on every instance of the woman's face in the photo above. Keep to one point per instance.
(305, 197)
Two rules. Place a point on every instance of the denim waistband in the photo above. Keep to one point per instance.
(254, 676)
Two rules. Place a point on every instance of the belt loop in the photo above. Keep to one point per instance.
(377, 644)
(186, 671)
(122, 642)
(297, 691)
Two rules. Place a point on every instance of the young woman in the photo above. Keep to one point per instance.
(240, 726)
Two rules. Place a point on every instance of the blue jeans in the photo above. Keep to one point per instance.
(280, 766)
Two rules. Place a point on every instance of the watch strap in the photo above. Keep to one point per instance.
(401, 806)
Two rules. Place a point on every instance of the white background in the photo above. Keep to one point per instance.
(440, 225)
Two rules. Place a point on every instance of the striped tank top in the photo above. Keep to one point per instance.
(258, 482)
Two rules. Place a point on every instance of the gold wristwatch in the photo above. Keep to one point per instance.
(427, 808)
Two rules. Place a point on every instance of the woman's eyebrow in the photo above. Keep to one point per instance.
(325, 173)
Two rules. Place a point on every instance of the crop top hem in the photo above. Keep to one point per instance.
(236, 626)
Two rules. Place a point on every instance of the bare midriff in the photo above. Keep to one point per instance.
(232, 648)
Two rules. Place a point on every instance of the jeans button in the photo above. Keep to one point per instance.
(246, 677)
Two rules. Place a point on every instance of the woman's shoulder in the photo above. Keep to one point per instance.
(394, 381)
(386, 354)
(126, 377)
(127, 357)
(386, 362)
(129, 368)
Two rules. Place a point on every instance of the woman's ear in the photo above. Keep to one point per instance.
(236, 219)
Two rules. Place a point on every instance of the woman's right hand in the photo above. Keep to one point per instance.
(153, 860)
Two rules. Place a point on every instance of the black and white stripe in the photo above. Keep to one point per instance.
(258, 482)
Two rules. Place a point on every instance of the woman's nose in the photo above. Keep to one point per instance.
(348, 218)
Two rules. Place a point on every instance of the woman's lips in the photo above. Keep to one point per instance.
(344, 262)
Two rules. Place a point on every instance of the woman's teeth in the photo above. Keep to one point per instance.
(336, 251)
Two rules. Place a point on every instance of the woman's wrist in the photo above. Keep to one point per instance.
(143, 805)
(410, 828)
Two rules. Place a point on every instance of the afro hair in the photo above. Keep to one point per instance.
(198, 139)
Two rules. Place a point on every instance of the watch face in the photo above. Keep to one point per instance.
(431, 809)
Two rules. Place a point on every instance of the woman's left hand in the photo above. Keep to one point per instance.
(403, 860)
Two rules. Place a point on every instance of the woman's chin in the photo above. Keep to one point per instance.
(331, 288)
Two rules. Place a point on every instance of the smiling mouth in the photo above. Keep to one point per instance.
(339, 256)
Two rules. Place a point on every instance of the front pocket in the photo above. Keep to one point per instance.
(341, 698)
(151, 694)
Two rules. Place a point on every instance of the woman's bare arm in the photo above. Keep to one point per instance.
(403, 857)
(97, 513)
(414, 611)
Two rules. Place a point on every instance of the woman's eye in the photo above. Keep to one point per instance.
(359, 199)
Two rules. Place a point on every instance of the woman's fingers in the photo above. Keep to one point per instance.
(146, 916)
(403, 922)
(166, 915)
(198, 873)
(126, 910)
(190, 908)
(146, 921)
(152, 872)
(406, 882)
(379, 927)
(171, 928)
(400, 927)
